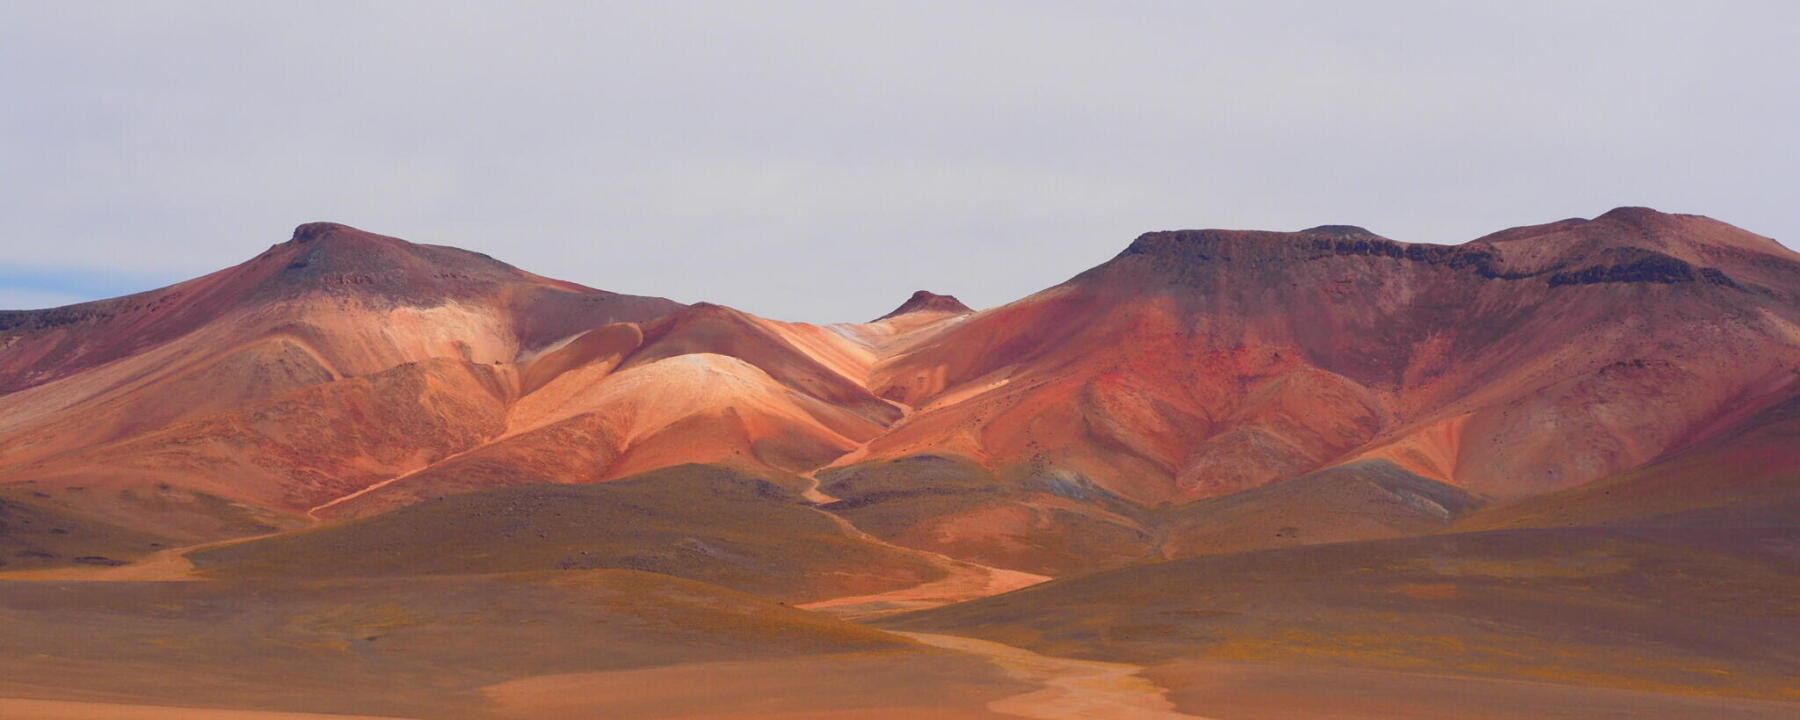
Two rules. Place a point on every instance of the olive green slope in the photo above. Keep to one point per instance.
(693, 521)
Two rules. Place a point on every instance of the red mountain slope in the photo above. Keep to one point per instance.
(1201, 363)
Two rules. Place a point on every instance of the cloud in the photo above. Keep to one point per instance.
(819, 161)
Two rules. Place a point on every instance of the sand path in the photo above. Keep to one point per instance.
(963, 580)
(1072, 689)
(312, 513)
(812, 493)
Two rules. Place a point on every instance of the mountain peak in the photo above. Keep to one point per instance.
(1634, 214)
(1339, 231)
(339, 259)
(308, 232)
(927, 301)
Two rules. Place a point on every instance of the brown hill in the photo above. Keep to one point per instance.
(1579, 607)
(690, 521)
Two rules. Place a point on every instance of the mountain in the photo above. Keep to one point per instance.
(1549, 472)
(1204, 391)
(1201, 364)
(324, 270)
(1192, 351)
(325, 364)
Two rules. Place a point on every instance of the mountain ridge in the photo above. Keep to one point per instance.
(1194, 365)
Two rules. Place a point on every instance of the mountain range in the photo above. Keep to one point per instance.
(1205, 407)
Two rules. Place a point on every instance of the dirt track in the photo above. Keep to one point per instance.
(1072, 689)
(962, 580)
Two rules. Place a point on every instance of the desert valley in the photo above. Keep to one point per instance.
(1550, 472)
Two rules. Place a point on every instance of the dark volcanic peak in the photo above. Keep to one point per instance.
(338, 258)
(1339, 231)
(927, 301)
(1641, 216)
(311, 231)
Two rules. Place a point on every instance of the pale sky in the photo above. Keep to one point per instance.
(820, 160)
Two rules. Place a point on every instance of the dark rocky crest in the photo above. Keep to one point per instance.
(927, 301)
(311, 231)
(1624, 245)
(1339, 231)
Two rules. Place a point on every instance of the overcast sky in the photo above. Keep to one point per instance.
(820, 161)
